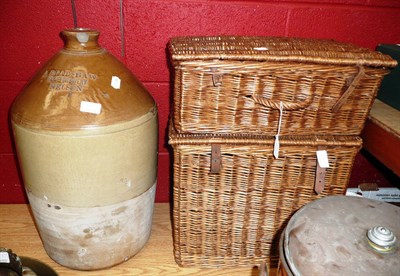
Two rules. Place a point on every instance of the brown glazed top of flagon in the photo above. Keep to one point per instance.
(82, 86)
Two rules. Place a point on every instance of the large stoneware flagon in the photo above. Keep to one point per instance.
(85, 131)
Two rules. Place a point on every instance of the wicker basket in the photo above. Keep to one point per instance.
(237, 85)
(233, 216)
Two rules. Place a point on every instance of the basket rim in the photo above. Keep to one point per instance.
(268, 48)
(175, 138)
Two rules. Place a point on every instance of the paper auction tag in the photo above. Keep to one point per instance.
(4, 258)
(276, 146)
(276, 142)
(322, 157)
(90, 107)
(115, 82)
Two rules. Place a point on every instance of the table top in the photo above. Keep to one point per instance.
(386, 117)
(18, 232)
(381, 135)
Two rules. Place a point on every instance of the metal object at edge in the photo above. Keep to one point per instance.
(342, 235)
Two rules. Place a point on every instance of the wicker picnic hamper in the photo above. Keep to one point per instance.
(237, 85)
(233, 215)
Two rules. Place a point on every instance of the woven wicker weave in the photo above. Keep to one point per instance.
(236, 85)
(235, 217)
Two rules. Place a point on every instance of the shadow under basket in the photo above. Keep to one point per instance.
(232, 197)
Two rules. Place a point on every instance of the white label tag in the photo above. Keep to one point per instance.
(115, 82)
(276, 147)
(322, 157)
(4, 258)
(276, 143)
(260, 48)
(90, 107)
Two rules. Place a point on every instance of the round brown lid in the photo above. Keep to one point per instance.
(82, 86)
(342, 235)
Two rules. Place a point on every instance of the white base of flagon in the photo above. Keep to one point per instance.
(94, 237)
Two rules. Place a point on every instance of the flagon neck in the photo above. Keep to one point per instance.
(81, 40)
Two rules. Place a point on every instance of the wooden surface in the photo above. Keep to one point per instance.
(18, 232)
(381, 135)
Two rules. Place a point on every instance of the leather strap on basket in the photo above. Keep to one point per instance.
(350, 89)
(215, 158)
(320, 173)
(319, 180)
(216, 77)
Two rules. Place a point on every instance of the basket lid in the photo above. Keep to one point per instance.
(275, 49)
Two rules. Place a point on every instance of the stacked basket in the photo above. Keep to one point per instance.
(249, 116)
